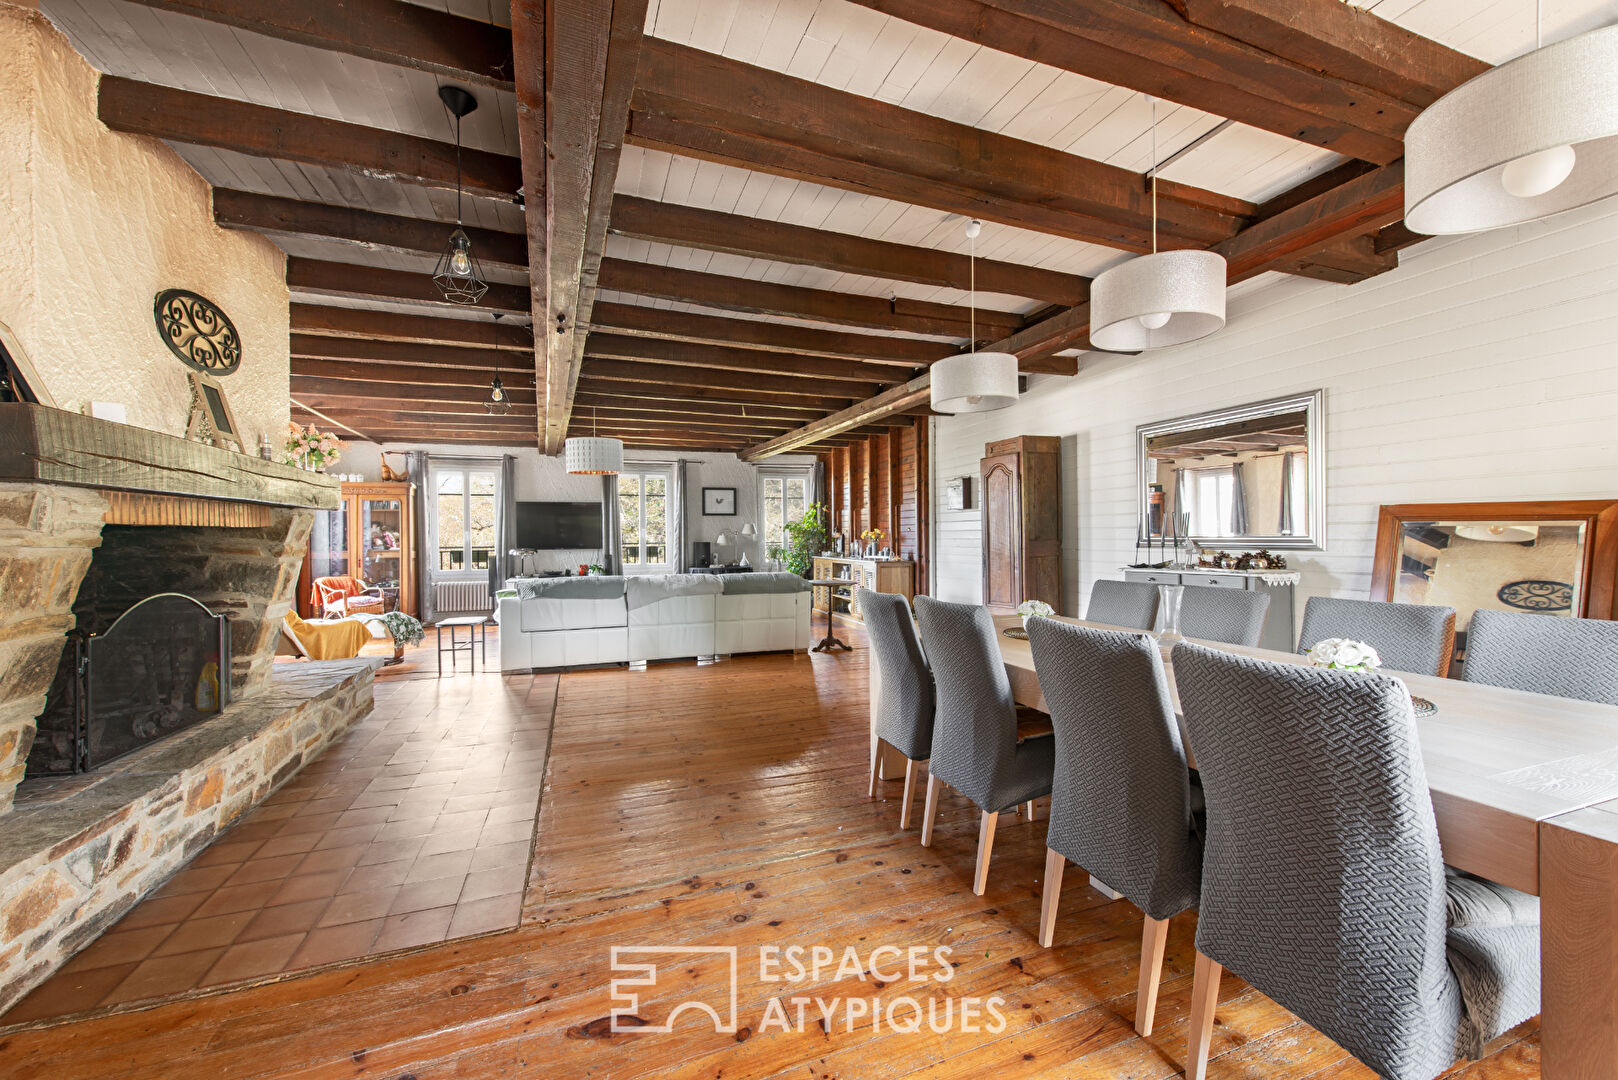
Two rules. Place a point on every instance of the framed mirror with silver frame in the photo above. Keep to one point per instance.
(1251, 476)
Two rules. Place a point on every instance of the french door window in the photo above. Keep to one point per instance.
(643, 521)
(464, 509)
(786, 497)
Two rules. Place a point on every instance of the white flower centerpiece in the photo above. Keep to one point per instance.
(1029, 608)
(1344, 654)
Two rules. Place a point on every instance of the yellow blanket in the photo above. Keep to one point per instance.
(338, 640)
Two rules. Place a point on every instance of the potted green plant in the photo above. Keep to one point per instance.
(405, 630)
(805, 538)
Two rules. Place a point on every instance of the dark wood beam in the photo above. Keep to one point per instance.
(628, 403)
(1345, 261)
(326, 278)
(467, 358)
(340, 393)
(700, 104)
(1396, 237)
(793, 385)
(399, 374)
(139, 108)
(529, 58)
(591, 49)
(386, 232)
(391, 326)
(796, 302)
(389, 32)
(654, 389)
(653, 322)
(1363, 203)
(688, 354)
(733, 234)
(904, 396)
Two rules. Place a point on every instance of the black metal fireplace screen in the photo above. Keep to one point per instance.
(161, 667)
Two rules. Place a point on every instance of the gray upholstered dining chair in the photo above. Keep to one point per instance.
(1543, 654)
(1322, 881)
(975, 745)
(1123, 603)
(1408, 637)
(1121, 804)
(1234, 616)
(903, 710)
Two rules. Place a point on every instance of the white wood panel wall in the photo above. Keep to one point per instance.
(1485, 367)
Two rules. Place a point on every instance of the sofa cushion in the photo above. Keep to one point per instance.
(644, 591)
(590, 587)
(749, 584)
(544, 613)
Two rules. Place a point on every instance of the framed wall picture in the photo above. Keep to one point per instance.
(211, 418)
(958, 493)
(719, 502)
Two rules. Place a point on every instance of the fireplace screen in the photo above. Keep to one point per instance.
(161, 667)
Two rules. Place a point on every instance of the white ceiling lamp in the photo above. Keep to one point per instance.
(1157, 300)
(974, 381)
(1525, 140)
(594, 456)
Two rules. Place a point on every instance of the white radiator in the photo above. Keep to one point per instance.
(471, 597)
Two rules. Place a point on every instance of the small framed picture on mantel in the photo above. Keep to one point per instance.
(719, 502)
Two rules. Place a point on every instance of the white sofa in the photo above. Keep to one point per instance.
(577, 622)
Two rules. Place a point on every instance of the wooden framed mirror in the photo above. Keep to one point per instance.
(1556, 557)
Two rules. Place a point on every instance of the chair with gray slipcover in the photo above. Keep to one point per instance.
(1544, 654)
(1322, 881)
(1121, 804)
(1408, 637)
(1123, 603)
(1234, 616)
(975, 745)
(903, 710)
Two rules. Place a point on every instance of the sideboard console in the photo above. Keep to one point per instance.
(1280, 633)
(878, 575)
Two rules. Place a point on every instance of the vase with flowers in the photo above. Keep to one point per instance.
(311, 449)
(1344, 654)
(1030, 609)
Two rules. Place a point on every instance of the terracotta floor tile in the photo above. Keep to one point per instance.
(308, 887)
(323, 806)
(161, 910)
(506, 832)
(368, 798)
(333, 943)
(495, 882)
(296, 844)
(465, 821)
(292, 918)
(359, 906)
(380, 876)
(428, 867)
(444, 840)
(422, 895)
(370, 815)
(406, 829)
(160, 976)
(205, 933)
(333, 858)
(486, 914)
(491, 856)
(251, 959)
(382, 851)
(456, 804)
(261, 870)
(349, 836)
(120, 947)
(512, 812)
(68, 992)
(232, 898)
(226, 852)
(391, 783)
(266, 812)
(313, 823)
(251, 831)
(526, 796)
(203, 879)
(413, 928)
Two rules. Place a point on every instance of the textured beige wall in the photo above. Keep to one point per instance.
(96, 224)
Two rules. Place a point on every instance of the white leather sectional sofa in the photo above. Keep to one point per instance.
(576, 622)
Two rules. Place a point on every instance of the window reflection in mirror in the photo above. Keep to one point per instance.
(1532, 566)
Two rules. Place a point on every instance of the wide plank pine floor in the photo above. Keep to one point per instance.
(725, 805)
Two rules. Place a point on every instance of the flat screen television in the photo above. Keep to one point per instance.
(552, 525)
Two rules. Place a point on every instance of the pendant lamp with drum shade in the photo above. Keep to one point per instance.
(973, 381)
(1157, 300)
(1533, 137)
(594, 456)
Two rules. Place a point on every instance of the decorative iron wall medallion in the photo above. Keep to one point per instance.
(1537, 595)
(196, 331)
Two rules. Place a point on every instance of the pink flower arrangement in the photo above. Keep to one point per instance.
(311, 448)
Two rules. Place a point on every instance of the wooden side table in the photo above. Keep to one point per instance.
(830, 641)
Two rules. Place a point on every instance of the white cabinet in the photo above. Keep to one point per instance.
(1279, 631)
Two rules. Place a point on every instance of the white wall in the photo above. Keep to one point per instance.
(1485, 367)
(546, 479)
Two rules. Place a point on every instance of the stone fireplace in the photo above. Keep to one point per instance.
(95, 517)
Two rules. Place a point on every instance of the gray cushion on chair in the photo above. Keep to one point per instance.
(1408, 637)
(1234, 616)
(1544, 654)
(904, 705)
(975, 747)
(1123, 603)
(1323, 884)
(1121, 796)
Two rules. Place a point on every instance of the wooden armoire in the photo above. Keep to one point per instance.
(1021, 497)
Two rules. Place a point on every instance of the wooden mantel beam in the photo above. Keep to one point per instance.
(405, 35)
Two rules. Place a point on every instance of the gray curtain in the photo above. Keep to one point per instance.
(676, 519)
(505, 526)
(611, 558)
(426, 545)
(1238, 500)
(817, 484)
(1284, 526)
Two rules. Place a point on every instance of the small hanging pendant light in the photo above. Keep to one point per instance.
(458, 274)
(1533, 137)
(973, 381)
(1165, 298)
(594, 456)
(499, 402)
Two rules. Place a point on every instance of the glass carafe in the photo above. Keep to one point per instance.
(1169, 598)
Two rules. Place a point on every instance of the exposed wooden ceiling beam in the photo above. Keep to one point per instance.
(793, 301)
(275, 216)
(344, 393)
(368, 323)
(654, 389)
(389, 32)
(627, 403)
(906, 396)
(793, 385)
(402, 375)
(463, 357)
(653, 322)
(733, 234)
(205, 120)
(703, 105)
(687, 354)
(326, 278)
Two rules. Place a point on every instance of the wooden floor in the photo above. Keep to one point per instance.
(725, 806)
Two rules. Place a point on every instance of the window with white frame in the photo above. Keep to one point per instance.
(784, 494)
(465, 505)
(643, 519)
(1211, 492)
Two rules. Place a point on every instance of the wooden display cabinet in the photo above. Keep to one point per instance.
(372, 536)
(878, 575)
(1021, 493)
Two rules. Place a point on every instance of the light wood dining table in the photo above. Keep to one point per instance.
(1525, 792)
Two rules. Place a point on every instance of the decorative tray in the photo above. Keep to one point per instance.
(1015, 632)
(1423, 706)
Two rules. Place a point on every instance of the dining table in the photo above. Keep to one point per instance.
(1525, 793)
